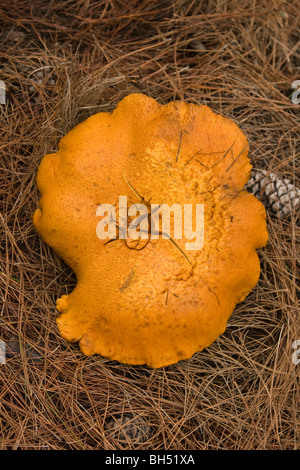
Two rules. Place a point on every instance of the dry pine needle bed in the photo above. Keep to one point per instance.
(61, 63)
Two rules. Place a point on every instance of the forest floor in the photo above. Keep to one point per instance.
(64, 61)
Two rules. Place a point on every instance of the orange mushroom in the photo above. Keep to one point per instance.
(151, 301)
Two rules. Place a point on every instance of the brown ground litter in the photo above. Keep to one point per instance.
(62, 62)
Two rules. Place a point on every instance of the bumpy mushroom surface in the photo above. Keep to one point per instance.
(151, 302)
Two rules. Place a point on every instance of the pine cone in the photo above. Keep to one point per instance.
(278, 196)
(129, 429)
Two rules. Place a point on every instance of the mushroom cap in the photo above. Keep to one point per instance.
(153, 302)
